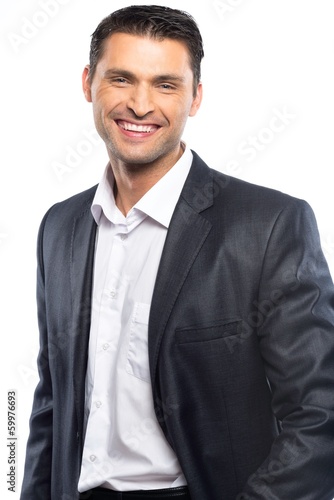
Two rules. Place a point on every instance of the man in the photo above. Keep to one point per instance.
(186, 317)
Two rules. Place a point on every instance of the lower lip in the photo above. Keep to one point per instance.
(137, 135)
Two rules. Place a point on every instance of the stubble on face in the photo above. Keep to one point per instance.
(133, 158)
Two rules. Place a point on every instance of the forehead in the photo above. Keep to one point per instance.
(145, 54)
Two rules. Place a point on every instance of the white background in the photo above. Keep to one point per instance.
(263, 57)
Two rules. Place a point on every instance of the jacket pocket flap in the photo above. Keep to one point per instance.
(210, 332)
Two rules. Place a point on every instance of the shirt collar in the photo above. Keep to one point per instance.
(158, 203)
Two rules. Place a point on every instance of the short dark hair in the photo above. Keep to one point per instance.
(153, 21)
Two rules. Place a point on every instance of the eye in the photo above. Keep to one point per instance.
(119, 81)
(166, 87)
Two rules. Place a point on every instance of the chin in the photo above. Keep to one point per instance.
(136, 159)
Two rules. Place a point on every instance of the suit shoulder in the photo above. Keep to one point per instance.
(74, 205)
(253, 196)
(224, 195)
(77, 203)
(62, 214)
(237, 191)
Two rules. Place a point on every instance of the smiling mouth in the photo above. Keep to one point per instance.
(139, 129)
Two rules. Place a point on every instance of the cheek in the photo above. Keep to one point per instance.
(106, 99)
(181, 114)
(176, 110)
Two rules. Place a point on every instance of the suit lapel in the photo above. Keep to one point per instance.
(186, 235)
(82, 259)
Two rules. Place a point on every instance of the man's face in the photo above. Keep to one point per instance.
(142, 94)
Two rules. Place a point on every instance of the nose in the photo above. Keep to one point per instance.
(141, 101)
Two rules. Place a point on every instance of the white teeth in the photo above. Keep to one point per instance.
(136, 128)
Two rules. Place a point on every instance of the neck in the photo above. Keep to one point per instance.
(133, 181)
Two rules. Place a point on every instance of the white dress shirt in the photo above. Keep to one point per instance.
(125, 448)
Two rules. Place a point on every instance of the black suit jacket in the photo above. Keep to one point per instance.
(241, 345)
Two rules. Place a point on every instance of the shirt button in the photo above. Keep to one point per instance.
(98, 404)
(92, 458)
(105, 346)
(112, 294)
(124, 237)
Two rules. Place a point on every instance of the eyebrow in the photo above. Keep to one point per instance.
(169, 77)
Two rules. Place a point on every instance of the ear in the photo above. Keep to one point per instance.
(86, 84)
(197, 100)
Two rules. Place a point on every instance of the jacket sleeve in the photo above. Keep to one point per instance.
(297, 345)
(37, 475)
